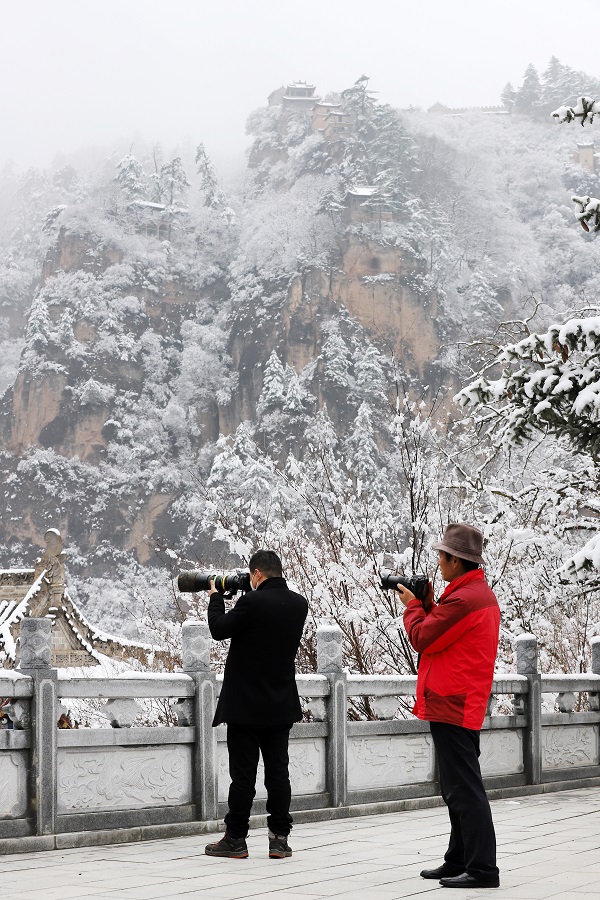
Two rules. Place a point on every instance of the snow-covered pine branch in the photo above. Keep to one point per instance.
(589, 212)
(589, 207)
(550, 383)
(585, 109)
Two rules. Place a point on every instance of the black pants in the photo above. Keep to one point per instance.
(243, 744)
(472, 846)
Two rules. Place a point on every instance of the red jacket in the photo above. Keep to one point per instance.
(457, 640)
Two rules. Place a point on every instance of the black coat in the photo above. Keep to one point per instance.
(265, 627)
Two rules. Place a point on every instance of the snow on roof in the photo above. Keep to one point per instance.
(362, 190)
(146, 204)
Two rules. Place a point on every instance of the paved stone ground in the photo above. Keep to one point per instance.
(549, 846)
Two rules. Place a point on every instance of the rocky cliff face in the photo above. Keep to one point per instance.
(71, 402)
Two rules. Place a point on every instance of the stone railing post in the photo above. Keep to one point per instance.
(329, 663)
(35, 654)
(526, 649)
(196, 643)
(594, 697)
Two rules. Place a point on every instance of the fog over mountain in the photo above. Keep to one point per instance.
(77, 75)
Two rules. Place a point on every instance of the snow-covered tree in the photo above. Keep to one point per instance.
(131, 178)
(213, 195)
(529, 95)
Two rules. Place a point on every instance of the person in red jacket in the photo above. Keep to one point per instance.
(457, 642)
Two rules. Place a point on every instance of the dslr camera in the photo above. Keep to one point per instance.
(418, 584)
(225, 583)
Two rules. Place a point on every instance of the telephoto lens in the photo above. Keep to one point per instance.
(228, 583)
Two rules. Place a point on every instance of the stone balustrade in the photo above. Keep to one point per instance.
(126, 781)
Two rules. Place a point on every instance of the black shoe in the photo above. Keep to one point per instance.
(441, 872)
(468, 881)
(279, 847)
(234, 848)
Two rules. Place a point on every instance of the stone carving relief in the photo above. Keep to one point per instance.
(124, 778)
(20, 713)
(567, 747)
(317, 708)
(329, 648)
(121, 713)
(566, 701)
(35, 644)
(196, 644)
(384, 707)
(52, 559)
(501, 752)
(307, 769)
(13, 784)
(382, 761)
(184, 711)
(526, 649)
(16, 578)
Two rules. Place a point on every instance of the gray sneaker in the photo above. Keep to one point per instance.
(279, 847)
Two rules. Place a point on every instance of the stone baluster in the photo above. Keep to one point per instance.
(594, 696)
(196, 644)
(526, 650)
(35, 653)
(329, 663)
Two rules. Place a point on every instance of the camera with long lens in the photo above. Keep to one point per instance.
(418, 584)
(225, 583)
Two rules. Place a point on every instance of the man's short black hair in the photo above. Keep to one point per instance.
(268, 562)
(468, 565)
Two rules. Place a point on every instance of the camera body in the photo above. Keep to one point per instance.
(418, 584)
(225, 583)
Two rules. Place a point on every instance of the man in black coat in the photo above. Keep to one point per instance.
(259, 699)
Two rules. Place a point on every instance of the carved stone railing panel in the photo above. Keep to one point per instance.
(124, 778)
(307, 769)
(501, 752)
(13, 784)
(380, 761)
(566, 747)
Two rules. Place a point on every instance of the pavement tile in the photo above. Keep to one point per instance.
(548, 848)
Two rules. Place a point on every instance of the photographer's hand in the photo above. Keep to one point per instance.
(213, 589)
(405, 595)
(428, 599)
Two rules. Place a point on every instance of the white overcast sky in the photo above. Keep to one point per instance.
(75, 73)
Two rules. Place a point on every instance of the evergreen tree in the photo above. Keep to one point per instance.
(361, 449)
(131, 178)
(274, 385)
(336, 359)
(294, 394)
(172, 183)
(213, 196)
(508, 96)
(371, 383)
(529, 95)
